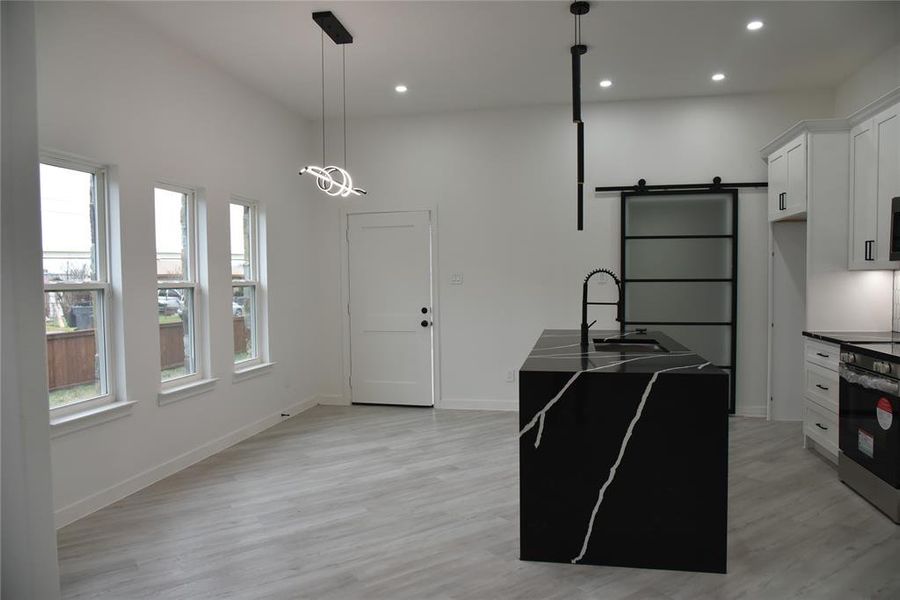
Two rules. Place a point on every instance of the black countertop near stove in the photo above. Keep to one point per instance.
(855, 337)
(889, 351)
(559, 351)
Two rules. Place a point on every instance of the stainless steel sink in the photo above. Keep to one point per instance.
(626, 346)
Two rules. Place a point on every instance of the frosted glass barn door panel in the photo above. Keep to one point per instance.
(683, 214)
(678, 302)
(678, 258)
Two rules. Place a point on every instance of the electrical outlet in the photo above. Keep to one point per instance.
(456, 279)
(510, 376)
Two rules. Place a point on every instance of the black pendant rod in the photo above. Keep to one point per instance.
(715, 184)
(578, 49)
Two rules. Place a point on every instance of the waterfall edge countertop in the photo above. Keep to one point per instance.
(623, 453)
(559, 351)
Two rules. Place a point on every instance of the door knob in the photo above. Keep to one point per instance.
(424, 310)
(425, 323)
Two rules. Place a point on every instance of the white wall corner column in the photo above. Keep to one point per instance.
(30, 567)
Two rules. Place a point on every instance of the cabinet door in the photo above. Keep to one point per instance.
(863, 201)
(795, 155)
(887, 179)
(777, 184)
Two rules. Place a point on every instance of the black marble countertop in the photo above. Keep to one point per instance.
(559, 351)
(855, 337)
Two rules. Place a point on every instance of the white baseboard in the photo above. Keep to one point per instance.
(467, 404)
(750, 411)
(82, 508)
(332, 400)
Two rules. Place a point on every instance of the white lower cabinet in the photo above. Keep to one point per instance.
(822, 382)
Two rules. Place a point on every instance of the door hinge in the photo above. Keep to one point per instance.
(347, 234)
(350, 382)
(348, 309)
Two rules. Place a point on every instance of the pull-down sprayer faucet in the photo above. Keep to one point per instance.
(619, 304)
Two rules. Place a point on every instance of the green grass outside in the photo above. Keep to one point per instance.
(72, 394)
(55, 328)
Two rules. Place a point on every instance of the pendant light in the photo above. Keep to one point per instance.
(578, 49)
(333, 180)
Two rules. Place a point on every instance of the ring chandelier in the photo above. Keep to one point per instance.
(333, 180)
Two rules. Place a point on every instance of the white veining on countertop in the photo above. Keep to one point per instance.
(615, 466)
(541, 414)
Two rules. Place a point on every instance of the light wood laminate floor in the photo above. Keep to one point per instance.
(382, 502)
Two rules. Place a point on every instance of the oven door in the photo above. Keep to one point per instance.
(870, 422)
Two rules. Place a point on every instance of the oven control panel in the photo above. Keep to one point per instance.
(882, 367)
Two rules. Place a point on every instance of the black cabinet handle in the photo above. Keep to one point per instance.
(424, 310)
(822, 355)
(869, 254)
(822, 427)
(821, 387)
(425, 323)
(782, 200)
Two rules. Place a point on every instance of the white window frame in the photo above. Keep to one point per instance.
(191, 281)
(257, 332)
(102, 286)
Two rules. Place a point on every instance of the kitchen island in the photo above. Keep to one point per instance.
(623, 453)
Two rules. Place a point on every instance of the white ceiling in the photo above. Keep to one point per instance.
(466, 55)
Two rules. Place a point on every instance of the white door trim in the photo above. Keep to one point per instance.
(346, 391)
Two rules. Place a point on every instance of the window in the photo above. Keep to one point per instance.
(176, 282)
(245, 292)
(76, 285)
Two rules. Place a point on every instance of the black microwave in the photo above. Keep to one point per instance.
(895, 228)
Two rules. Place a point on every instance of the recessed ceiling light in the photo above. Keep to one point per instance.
(606, 83)
(400, 89)
(754, 25)
(718, 77)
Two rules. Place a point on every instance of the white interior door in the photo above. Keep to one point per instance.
(391, 317)
(788, 320)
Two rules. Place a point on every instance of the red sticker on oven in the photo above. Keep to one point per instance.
(885, 413)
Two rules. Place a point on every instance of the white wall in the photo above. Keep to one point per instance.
(503, 181)
(874, 80)
(112, 91)
(29, 541)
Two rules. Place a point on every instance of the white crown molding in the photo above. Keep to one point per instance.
(819, 125)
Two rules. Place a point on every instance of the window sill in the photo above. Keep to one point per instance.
(89, 418)
(256, 370)
(183, 392)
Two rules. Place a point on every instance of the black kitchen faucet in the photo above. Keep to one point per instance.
(619, 304)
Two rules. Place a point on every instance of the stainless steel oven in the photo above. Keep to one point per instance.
(869, 428)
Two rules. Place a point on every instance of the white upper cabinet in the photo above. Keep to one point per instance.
(863, 204)
(788, 181)
(874, 181)
(777, 183)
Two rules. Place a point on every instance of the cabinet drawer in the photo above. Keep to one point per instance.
(823, 354)
(822, 386)
(821, 425)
